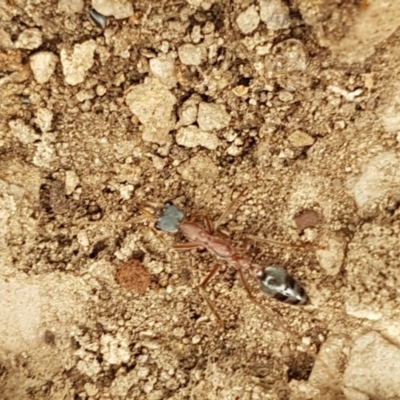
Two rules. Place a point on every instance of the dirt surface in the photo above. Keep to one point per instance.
(193, 101)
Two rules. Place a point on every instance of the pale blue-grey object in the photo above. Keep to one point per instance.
(277, 283)
(169, 219)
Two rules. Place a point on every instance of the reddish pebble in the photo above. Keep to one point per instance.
(133, 276)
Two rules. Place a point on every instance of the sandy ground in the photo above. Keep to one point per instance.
(193, 101)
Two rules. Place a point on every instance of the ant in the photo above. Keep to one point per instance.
(274, 281)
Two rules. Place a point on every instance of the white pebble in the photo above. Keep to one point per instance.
(29, 39)
(192, 136)
(275, 14)
(75, 63)
(43, 65)
(118, 9)
(212, 116)
(248, 20)
(189, 54)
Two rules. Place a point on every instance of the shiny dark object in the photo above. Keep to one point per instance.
(99, 19)
(277, 283)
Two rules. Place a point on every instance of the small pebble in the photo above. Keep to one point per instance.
(300, 139)
(118, 9)
(275, 14)
(196, 339)
(29, 39)
(189, 54)
(43, 65)
(192, 136)
(306, 219)
(212, 116)
(248, 20)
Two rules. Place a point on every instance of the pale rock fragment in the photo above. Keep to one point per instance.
(189, 54)
(118, 9)
(163, 68)
(275, 14)
(372, 369)
(70, 6)
(198, 168)
(188, 112)
(331, 258)
(5, 40)
(248, 20)
(29, 39)
(77, 62)
(44, 118)
(71, 182)
(24, 133)
(212, 116)
(300, 139)
(380, 181)
(153, 104)
(43, 65)
(192, 136)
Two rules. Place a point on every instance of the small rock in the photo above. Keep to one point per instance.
(75, 63)
(380, 181)
(71, 182)
(70, 6)
(300, 139)
(306, 219)
(198, 168)
(372, 369)
(285, 96)
(192, 136)
(234, 150)
(328, 363)
(286, 57)
(29, 39)
(119, 9)
(133, 276)
(24, 133)
(43, 65)
(248, 20)
(90, 389)
(5, 40)
(153, 104)
(188, 112)
(164, 70)
(212, 116)
(189, 54)
(43, 119)
(275, 14)
(331, 259)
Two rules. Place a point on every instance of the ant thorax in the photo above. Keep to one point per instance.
(169, 218)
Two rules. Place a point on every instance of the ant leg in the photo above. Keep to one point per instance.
(207, 222)
(148, 214)
(247, 288)
(185, 246)
(244, 246)
(277, 243)
(203, 293)
(229, 209)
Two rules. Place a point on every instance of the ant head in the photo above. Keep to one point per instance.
(169, 218)
(277, 283)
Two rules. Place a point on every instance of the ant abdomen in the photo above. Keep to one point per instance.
(277, 283)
